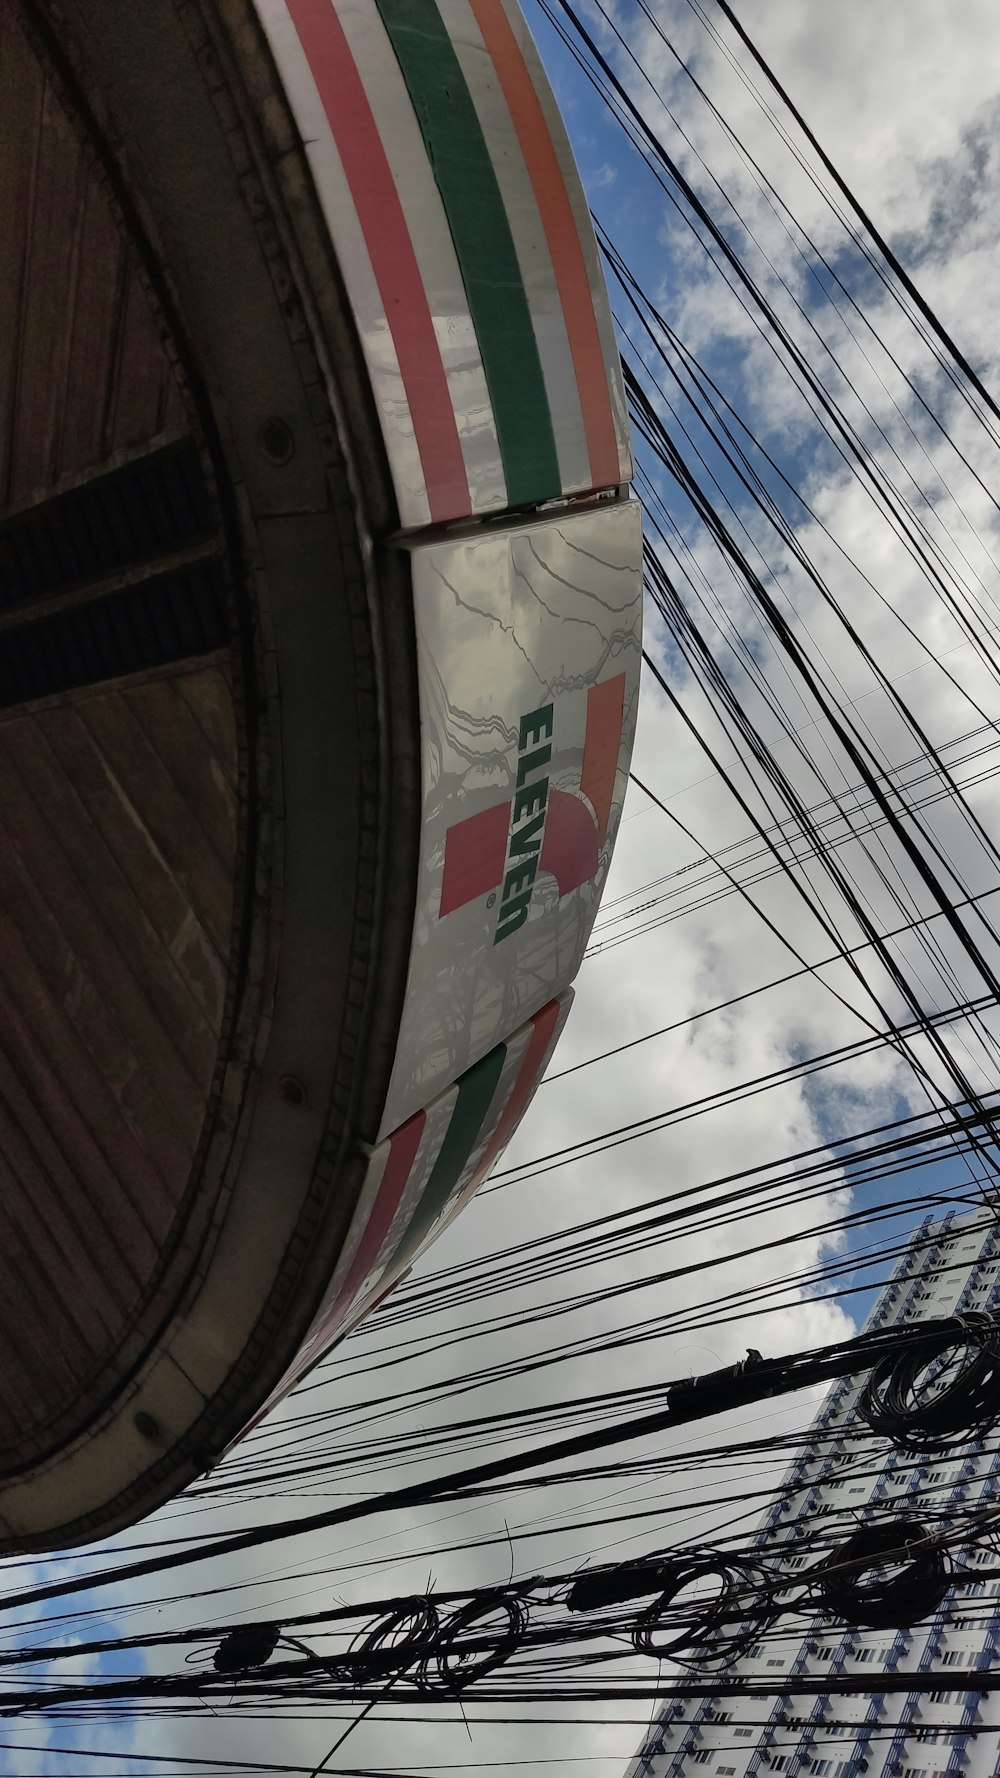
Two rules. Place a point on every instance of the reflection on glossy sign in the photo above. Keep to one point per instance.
(540, 828)
(528, 662)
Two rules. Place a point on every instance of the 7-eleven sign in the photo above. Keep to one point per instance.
(539, 828)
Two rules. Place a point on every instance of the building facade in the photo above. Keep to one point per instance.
(951, 1266)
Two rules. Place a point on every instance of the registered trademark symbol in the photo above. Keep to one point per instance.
(491, 898)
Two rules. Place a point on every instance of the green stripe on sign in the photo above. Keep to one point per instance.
(475, 1095)
(460, 160)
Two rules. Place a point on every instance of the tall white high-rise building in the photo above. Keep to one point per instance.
(951, 1266)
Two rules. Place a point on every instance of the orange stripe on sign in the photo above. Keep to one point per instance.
(390, 249)
(558, 222)
(532, 1063)
(601, 747)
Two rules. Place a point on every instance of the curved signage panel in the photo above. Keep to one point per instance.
(528, 650)
(464, 239)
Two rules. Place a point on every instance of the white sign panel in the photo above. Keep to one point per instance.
(528, 642)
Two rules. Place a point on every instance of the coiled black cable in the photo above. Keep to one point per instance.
(400, 1638)
(472, 1644)
(925, 1400)
(887, 1575)
(700, 1629)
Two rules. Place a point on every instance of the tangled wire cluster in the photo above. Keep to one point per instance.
(710, 1607)
(944, 1389)
(886, 1575)
(448, 1655)
(700, 1606)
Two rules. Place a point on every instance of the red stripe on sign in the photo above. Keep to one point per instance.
(475, 851)
(532, 1063)
(403, 1145)
(570, 850)
(390, 250)
(560, 228)
(601, 747)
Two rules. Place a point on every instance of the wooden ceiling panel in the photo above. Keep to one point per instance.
(34, 1250)
(118, 842)
(141, 372)
(82, 362)
(21, 94)
(172, 729)
(25, 747)
(89, 975)
(208, 698)
(84, 437)
(153, 883)
(121, 784)
(51, 255)
(59, 1217)
(55, 1023)
(200, 862)
(62, 1164)
(76, 926)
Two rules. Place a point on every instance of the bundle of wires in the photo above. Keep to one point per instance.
(714, 1628)
(943, 1390)
(887, 1575)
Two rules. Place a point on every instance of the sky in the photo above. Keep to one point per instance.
(904, 97)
